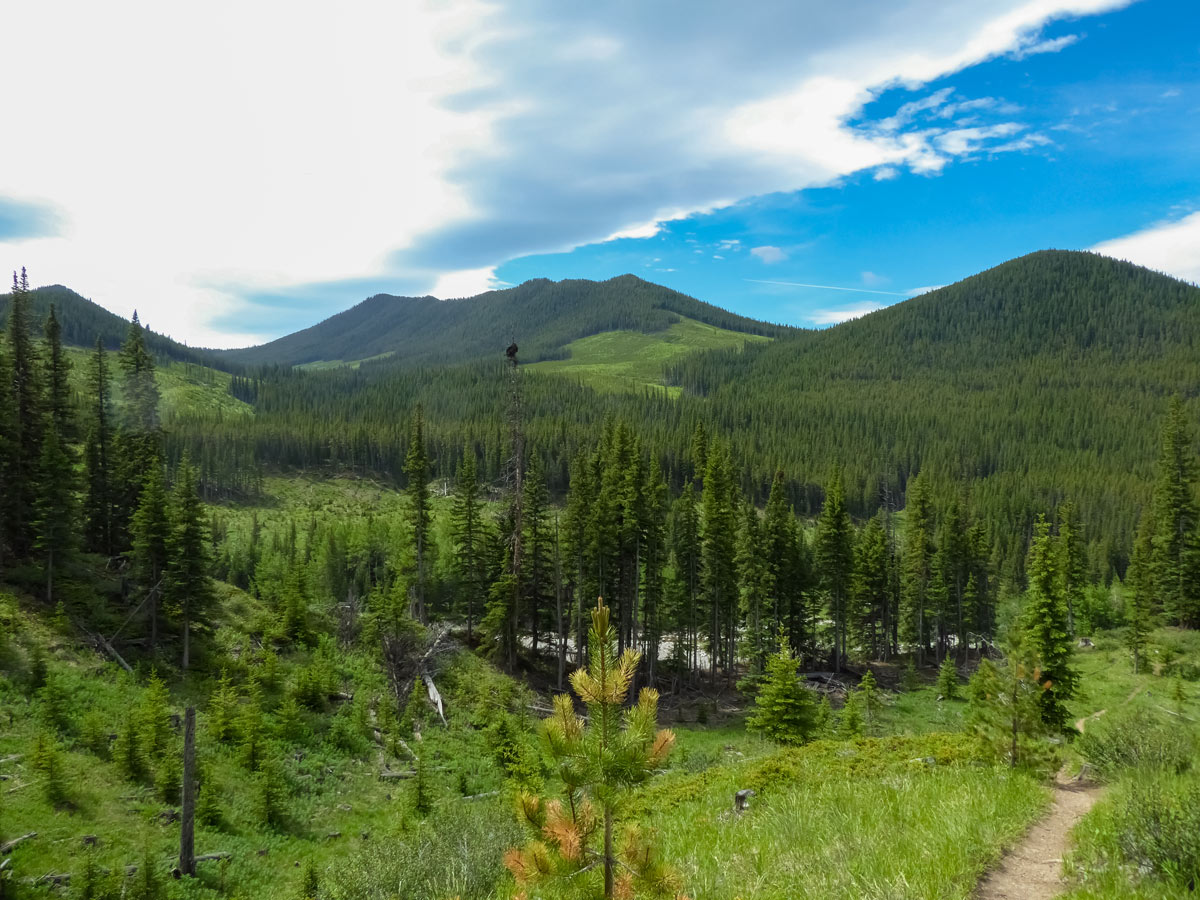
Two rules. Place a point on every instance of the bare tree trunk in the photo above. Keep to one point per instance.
(187, 849)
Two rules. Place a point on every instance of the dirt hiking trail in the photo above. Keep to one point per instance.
(1033, 869)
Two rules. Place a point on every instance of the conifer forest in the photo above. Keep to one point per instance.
(383, 610)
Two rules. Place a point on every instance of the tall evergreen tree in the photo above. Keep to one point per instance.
(469, 539)
(60, 412)
(834, 553)
(416, 467)
(688, 569)
(654, 560)
(753, 591)
(151, 532)
(1139, 591)
(186, 587)
(538, 569)
(1044, 623)
(55, 511)
(718, 553)
(1073, 564)
(27, 428)
(99, 450)
(140, 434)
(1175, 519)
(8, 453)
(918, 564)
(870, 589)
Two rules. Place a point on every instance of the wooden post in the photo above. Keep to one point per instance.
(187, 832)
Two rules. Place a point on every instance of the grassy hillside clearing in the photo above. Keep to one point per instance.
(632, 360)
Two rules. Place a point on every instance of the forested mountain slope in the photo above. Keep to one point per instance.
(1041, 379)
(83, 321)
(541, 315)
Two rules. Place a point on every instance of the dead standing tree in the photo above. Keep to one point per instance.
(515, 481)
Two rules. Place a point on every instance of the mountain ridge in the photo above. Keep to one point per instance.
(425, 329)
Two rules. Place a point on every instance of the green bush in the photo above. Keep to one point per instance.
(1137, 740)
(1156, 822)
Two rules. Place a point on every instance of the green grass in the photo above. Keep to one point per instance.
(911, 834)
(187, 388)
(631, 360)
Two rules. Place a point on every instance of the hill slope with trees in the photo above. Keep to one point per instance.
(542, 315)
(84, 322)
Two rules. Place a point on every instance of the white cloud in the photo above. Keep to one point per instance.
(871, 279)
(1049, 46)
(199, 158)
(465, 283)
(916, 292)
(768, 254)
(843, 313)
(1171, 247)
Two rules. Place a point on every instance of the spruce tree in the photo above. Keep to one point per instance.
(537, 570)
(55, 508)
(753, 591)
(1073, 565)
(947, 683)
(469, 539)
(60, 413)
(151, 533)
(834, 553)
(870, 588)
(99, 459)
(718, 553)
(140, 436)
(186, 587)
(870, 703)
(918, 564)
(1139, 592)
(27, 424)
(1044, 622)
(784, 709)
(8, 453)
(598, 763)
(1175, 519)
(416, 468)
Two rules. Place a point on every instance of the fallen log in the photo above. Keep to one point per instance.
(434, 696)
(391, 776)
(7, 847)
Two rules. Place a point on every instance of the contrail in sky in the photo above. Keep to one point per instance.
(828, 287)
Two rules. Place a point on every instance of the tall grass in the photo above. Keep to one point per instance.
(925, 833)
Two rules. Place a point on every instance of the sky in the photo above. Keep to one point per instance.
(239, 169)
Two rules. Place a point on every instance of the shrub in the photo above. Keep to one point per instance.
(47, 762)
(93, 733)
(128, 752)
(168, 778)
(270, 795)
(1137, 740)
(53, 704)
(154, 717)
(1157, 825)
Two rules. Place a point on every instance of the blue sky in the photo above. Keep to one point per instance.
(243, 174)
(1119, 112)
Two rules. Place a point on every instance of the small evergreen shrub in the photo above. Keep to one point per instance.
(947, 683)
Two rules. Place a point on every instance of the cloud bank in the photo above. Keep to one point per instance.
(208, 160)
